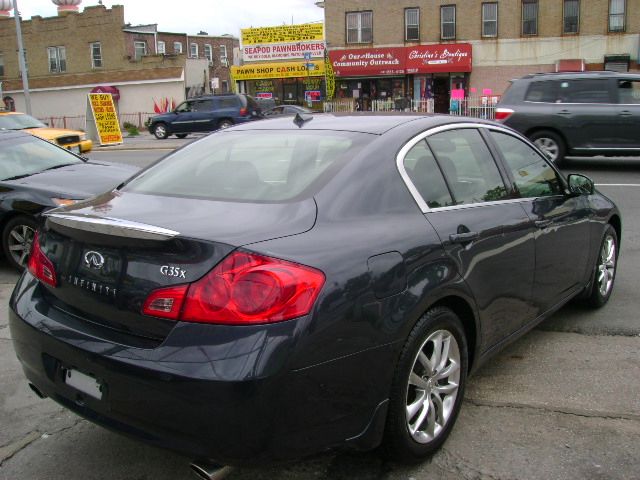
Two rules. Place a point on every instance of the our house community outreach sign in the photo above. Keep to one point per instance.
(103, 125)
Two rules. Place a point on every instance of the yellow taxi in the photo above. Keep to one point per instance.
(73, 140)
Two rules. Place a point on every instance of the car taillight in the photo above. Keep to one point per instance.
(503, 113)
(39, 265)
(245, 288)
(243, 112)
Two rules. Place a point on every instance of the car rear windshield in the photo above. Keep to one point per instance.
(19, 122)
(251, 166)
(23, 156)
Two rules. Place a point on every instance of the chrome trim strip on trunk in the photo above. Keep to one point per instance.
(111, 226)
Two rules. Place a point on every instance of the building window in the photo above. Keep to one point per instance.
(223, 55)
(140, 49)
(529, 17)
(490, 19)
(193, 52)
(225, 86)
(177, 47)
(96, 55)
(359, 27)
(162, 47)
(448, 22)
(617, 15)
(208, 53)
(571, 16)
(57, 59)
(412, 24)
(1, 65)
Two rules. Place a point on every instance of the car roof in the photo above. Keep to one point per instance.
(365, 122)
(593, 74)
(9, 134)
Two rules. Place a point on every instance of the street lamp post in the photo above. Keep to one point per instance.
(23, 66)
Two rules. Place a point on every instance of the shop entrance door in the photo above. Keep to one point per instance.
(441, 94)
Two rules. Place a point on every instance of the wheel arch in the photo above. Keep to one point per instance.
(616, 223)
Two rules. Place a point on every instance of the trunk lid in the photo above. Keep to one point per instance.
(110, 252)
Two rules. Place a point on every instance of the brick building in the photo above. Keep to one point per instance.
(427, 48)
(76, 52)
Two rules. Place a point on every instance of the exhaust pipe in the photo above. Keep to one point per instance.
(210, 471)
(36, 390)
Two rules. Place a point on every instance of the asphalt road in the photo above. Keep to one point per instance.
(563, 402)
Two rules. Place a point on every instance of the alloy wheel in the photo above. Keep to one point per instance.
(607, 265)
(433, 386)
(549, 147)
(20, 240)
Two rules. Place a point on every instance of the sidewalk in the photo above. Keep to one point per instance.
(146, 141)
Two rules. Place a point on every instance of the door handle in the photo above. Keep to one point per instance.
(463, 237)
(564, 112)
(542, 223)
(625, 113)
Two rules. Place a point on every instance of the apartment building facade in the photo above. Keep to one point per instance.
(431, 48)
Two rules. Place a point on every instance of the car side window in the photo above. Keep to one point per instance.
(544, 91)
(629, 92)
(229, 102)
(184, 107)
(426, 176)
(594, 90)
(468, 166)
(532, 174)
(203, 106)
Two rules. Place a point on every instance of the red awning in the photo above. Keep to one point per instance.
(360, 62)
(454, 57)
(570, 65)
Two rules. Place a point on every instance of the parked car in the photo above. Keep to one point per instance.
(205, 114)
(587, 113)
(36, 176)
(285, 110)
(73, 140)
(280, 288)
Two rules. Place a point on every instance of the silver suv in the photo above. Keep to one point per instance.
(581, 114)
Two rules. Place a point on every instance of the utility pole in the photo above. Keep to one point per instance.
(21, 59)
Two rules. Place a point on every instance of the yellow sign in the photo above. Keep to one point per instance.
(260, 71)
(105, 118)
(283, 34)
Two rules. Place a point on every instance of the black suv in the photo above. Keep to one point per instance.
(590, 113)
(205, 114)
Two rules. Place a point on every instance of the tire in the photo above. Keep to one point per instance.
(181, 135)
(160, 131)
(17, 237)
(551, 144)
(226, 123)
(411, 434)
(604, 271)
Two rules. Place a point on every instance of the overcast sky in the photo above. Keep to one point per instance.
(215, 17)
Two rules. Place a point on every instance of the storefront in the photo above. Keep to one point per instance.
(421, 72)
(284, 64)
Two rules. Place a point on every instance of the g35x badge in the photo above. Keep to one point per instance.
(169, 271)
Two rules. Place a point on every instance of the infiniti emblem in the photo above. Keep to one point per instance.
(93, 260)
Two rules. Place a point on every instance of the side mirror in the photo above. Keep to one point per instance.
(580, 184)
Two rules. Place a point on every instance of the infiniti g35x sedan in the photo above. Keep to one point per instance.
(287, 286)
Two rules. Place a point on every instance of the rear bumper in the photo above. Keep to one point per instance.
(211, 392)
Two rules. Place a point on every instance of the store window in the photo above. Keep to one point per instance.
(208, 52)
(617, 13)
(96, 54)
(448, 22)
(57, 59)
(140, 49)
(412, 24)
(193, 52)
(490, 19)
(162, 47)
(359, 27)
(571, 16)
(530, 17)
(177, 47)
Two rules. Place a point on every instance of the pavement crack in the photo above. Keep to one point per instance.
(455, 464)
(12, 448)
(561, 411)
